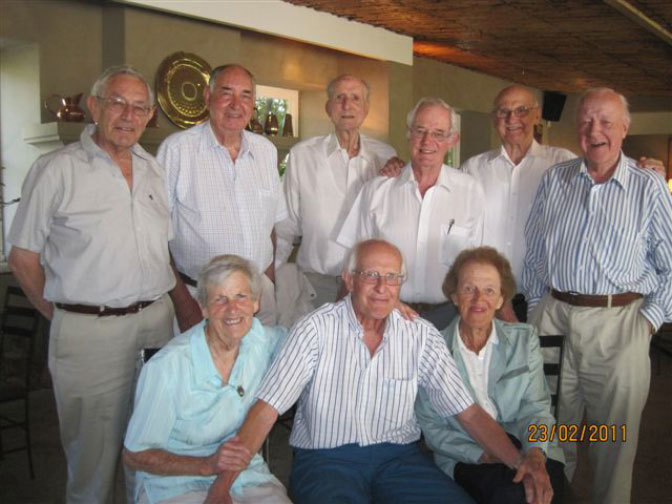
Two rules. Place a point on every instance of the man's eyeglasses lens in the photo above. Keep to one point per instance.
(372, 277)
(521, 111)
(437, 135)
(118, 105)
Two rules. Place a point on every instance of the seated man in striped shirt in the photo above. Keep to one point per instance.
(355, 367)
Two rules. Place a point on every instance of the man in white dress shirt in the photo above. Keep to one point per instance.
(324, 175)
(224, 192)
(510, 176)
(431, 211)
(355, 367)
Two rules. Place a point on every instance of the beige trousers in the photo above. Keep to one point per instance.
(606, 374)
(93, 366)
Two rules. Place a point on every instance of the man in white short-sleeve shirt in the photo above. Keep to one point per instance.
(90, 250)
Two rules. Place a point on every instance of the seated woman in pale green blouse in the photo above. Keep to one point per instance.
(195, 393)
(502, 365)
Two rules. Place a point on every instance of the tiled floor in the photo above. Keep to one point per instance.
(652, 475)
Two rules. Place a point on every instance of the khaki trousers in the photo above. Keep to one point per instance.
(606, 375)
(93, 366)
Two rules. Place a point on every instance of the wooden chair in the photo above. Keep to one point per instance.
(19, 323)
(553, 370)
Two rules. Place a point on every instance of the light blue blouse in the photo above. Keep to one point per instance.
(181, 406)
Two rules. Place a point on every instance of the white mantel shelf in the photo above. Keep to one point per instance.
(68, 132)
(41, 135)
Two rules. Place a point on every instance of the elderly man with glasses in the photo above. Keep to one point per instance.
(430, 211)
(355, 367)
(90, 249)
(510, 175)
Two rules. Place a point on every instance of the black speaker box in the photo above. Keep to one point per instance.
(553, 105)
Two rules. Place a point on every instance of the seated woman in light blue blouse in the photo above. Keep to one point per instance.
(502, 366)
(194, 394)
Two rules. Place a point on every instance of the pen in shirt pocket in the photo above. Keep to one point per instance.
(450, 225)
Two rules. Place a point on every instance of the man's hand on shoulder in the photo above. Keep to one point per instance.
(406, 311)
(392, 167)
(647, 163)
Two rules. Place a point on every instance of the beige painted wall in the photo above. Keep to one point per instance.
(68, 35)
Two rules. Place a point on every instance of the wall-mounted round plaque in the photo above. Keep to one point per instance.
(180, 82)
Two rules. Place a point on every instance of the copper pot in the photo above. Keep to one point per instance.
(69, 110)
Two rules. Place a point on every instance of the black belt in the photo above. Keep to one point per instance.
(611, 300)
(104, 311)
(187, 279)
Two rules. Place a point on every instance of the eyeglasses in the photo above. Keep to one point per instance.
(117, 105)
(521, 111)
(372, 277)
(470, 291)
(438, 135)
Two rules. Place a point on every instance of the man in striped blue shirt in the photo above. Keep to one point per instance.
(598, 269)
(355, 367)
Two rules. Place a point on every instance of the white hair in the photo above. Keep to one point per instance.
(100, 86)
(428, 101)
(605, 90)
(220, 268)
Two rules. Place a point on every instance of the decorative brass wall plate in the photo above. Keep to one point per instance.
(180, 82)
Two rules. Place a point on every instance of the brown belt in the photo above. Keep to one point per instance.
(425, 307)
(187, 279)
(609, 301)
(104, 311)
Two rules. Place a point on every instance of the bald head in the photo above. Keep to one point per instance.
(375, 268)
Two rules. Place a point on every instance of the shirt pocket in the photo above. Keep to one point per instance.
(397, 401)
(454, 239)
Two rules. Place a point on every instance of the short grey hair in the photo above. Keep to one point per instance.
(220, 268)
(100, 86)
(223, 68)
(332, 85)
(606, 90)
(428, 101)
(353, 256)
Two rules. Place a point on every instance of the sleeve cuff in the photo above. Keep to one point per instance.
(653, 313)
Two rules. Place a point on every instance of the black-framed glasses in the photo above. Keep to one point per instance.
(521, 111)
(117, 105)
(372, 277)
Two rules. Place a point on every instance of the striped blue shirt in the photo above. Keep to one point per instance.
(602, 238)
(348, 396)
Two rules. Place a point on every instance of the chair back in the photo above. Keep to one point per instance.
(553, 370)
(19, 322)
